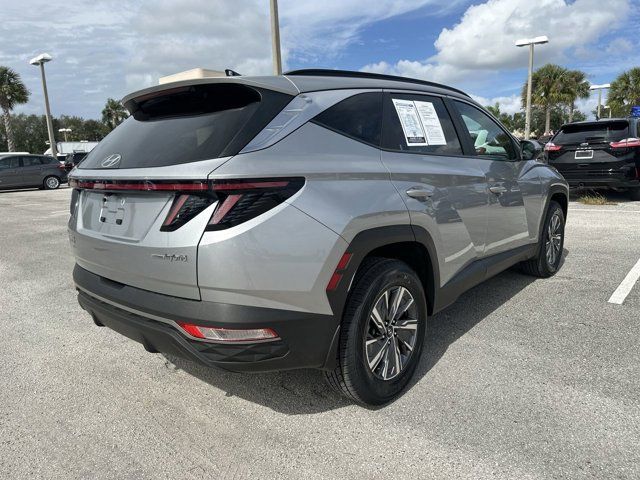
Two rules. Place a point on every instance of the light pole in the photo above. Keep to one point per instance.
(275, 38)
(40, 60)
(65, 131)
(599, 88)
(530, 42)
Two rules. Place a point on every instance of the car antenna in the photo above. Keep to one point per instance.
(232, 73)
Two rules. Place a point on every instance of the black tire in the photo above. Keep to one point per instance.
(51, 182)
(634, 194)
(541, 265)
(353, 376)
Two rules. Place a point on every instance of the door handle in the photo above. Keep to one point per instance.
(419, 193)
(498, 190)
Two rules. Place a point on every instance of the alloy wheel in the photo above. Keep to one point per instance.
(52, 183)
(554, 239)
(391, 332)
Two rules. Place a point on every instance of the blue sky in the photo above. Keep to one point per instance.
(107, 48)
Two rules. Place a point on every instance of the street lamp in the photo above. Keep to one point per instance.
(65, 131)
(599, 88)
(531, 42)
(275, 38)
(40, 60)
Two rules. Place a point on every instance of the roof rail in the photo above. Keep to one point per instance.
(321, 72)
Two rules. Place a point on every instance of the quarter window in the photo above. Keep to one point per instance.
(359, 117)
(485, 134)
(418, 124)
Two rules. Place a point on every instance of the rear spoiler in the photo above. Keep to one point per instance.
(277, 84)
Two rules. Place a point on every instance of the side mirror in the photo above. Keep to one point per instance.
(530, 149)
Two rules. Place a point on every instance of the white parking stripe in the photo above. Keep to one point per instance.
(602, 210)
(627, 284)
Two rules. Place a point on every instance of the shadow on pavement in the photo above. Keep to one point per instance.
(300, 392)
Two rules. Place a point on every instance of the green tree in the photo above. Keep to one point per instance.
(30, 131)
(113, 113)
(577, 87)
(12, 92)
(624, 92)
(548, 90)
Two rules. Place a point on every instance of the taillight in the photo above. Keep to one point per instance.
(141, 185)
(552, 147)
(242, 200)
(626, 143)
(238, 200)
(184, 208)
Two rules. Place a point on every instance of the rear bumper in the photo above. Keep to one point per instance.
(592, 177)
(149, 318)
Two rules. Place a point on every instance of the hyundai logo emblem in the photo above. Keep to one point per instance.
(112, 161)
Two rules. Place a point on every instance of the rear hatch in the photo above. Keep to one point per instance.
(593, 150)
(141, 199)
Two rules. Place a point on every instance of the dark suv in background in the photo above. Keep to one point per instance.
(22, 171)
(598, 154)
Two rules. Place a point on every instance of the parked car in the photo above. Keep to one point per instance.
(315, 219)
(599, 154)
(24, 170)
(74, 159)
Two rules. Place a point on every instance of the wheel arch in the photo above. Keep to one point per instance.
(410, 244)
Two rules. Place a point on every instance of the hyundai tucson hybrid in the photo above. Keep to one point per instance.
(599, 154)
(311, 220)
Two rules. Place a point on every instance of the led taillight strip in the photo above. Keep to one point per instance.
(249, 185)
(142, 186)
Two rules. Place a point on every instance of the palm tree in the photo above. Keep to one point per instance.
(12, 92)
(113, 113)
(577, 86)
(548, 89)
(624, 92)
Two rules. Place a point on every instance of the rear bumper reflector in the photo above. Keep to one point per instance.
(228, 335)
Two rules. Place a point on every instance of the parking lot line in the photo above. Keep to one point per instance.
(627, 284)
(603, 210)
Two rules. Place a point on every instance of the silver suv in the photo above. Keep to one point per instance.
(315, 219)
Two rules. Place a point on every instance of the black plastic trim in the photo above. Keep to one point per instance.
(306, 336)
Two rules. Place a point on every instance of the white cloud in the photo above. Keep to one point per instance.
(619, 45)
(508, 104)
(106, 48)
(483, 41)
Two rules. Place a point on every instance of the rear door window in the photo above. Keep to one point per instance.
(597, 132)
(358, 117)
(188, 124)
(31, 161)
(487, 137)
(418, 124)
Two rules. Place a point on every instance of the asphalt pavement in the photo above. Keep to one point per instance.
(521, 379)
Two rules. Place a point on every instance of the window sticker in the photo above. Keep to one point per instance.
(411, 125)
(431, 123)
(420, 123)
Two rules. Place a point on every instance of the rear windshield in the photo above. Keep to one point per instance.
(592, 133)
(188, 124)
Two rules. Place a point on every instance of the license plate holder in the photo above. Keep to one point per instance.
(583, 154)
